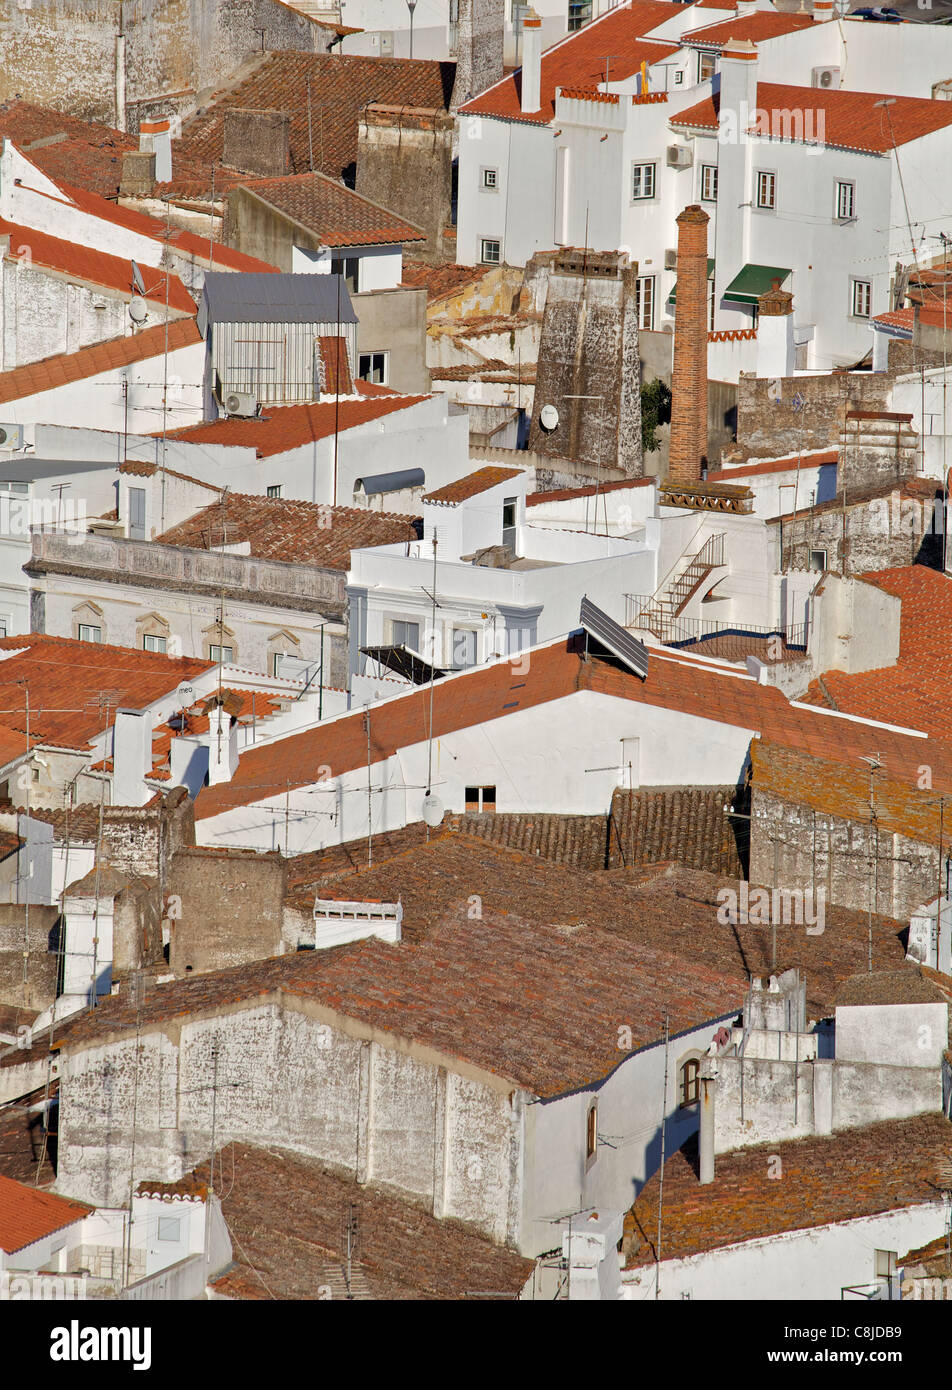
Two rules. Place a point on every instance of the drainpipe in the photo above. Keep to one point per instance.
(120, 81)
(706, 1142)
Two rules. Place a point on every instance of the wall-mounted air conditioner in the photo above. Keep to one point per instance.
(11, 437)
(671, 260)
(825, 77)
(242, 403)
(679, 157)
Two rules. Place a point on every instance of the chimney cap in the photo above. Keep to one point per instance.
(744, 49)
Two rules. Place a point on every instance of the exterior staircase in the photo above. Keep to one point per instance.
(659, 615)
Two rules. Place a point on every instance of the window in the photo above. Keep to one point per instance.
(88, 633)
(885, 1264)
(170, 1228)
(818, 560)
(509, 522)
(706, 66)
(137, 513)
(274, 489)
(35, 773)
(690, 1082)
(708, 183)
(464, 646)
(591, 1132)
(350, 269)
(580, 12)
(490, 179)
(645, 300)
(679, 78)
(404, 634)
(481, 799)
(372, 366)
(862, 298)
(4, 626)
(766, 191)
(153, 643)
(490, 252)
(217, 653)
(642, 181)
(845, 200)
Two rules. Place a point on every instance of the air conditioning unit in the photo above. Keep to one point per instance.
(825, 77)
(679, 157)
(244, 403)
(11, 437)
(671, 260)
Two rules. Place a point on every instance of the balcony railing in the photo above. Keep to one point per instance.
(729, 641)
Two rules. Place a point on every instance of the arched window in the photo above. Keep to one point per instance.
(591, 1132)
(690, 1081)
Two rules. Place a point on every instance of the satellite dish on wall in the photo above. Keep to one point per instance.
(185, 694)
(137, 279)
(138, 311)
(549, 418)
(432, 809)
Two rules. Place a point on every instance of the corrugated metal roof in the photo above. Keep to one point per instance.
(251, 298)
(391, 482)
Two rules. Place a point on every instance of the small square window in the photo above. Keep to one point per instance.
(490, 252)
(818, 561)
(845, 201)
(480, 799)
(642, 181)
(88, 633)
(491, 179)
(679, 78)
(274, 489)
(708, 183)
(153, 643)
(220, 654)
(170, 1228)
(35, 774)
(372, 366)
(766, 191)
(862, 299)
(404, 634)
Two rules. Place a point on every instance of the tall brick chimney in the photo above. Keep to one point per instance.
(689, 374)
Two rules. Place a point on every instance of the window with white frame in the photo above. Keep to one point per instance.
(480, 799)
(766, 190)
(490, 251)
(845, 200)
(708, 183)
(274, 489)
(818, 561)
(88, 633)
(152, 642)
(405, 634)
(491, 179)
(862, 298)
(372, 366)
(642, 181)
(645, 301)
(706, 66)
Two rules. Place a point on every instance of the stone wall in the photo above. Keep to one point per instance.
(229, 905)
(405, 163)
(451, 1141)
(479, 48)
(771, 423)
(877, 533)
(39, 989)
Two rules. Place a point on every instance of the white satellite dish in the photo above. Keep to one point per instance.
(138, 311)
(432, 809)
(549, 418)
(185, 694)
(137, 279)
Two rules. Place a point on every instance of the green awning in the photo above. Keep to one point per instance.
(710, 276)
(753, 281)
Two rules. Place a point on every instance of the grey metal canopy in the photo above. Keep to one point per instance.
(403, 661)
(254, 298)
(391, 482)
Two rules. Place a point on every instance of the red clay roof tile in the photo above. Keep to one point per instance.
(30, 380)
(27, 1215)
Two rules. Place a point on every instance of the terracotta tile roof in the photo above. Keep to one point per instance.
(335, 213)
(567, 494)
(756, 27)
(21, 1134)
(287, 427)
(285, 1212)
(910, 984)
(84, 152)
(336, 379)
(850, 120)
(27, 1215)
(65, 367)
(302, 533)
(669, 908)
(94, 267)
(921, 489)
(65, 681)
(579, 61)
(767, 466)
(839, 1177)
(473, 484)
(935, 1258)
(916, 691)
(687, 824)
(190, 1187)
(340, 85)
(137, 469)
(441, 279)
(904, 319)
(537, 1005)
(674, 682)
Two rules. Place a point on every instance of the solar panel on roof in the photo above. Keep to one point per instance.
(617, 639)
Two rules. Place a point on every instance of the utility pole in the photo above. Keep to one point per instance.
(370, 834)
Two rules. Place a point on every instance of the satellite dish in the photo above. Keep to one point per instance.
(185, 694)
(138, 311)
(137, 279)
(432, 809)
(549, 418)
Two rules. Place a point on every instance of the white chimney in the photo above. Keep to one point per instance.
(706, 1137)
(131, 757)
(822, 10)
(222, 746)
(776, 350)
(738, 87)
(155, 137)
(531, 62)
(188, 763)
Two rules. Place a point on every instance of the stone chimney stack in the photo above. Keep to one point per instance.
(775, 345)
(480, 34)
(531, 62)
(689, 374)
